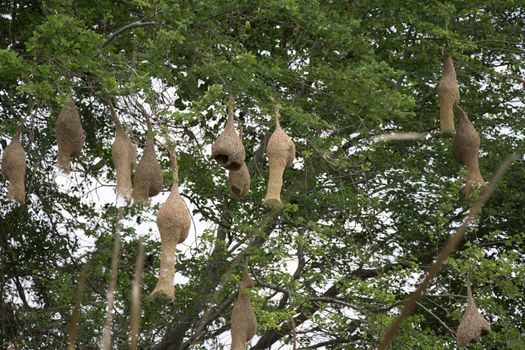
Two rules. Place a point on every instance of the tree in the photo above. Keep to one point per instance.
(362, 219)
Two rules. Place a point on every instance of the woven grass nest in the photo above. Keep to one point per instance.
(281, 154)
(148, 175)
(448, 92)
(239, 180)
(70, 136)
(243, 320)
(124, 155)
(14, 169)
(173, 222)
(465, 150)
(473, 325)
(228, 149)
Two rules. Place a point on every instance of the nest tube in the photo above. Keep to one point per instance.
(228, 149)
(14, 168)
(70, 136)
(173, 222)
(448, 93)
(243, 319)
(465, 149)
(281, 153)
(473, 325)
(148, 175)
(124, 155)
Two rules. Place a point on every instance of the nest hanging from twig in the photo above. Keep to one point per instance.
(465, 150)
(124, 155)
(228, 149)
(70, 136)
(448, 92)
(148, 175)
(243, 320)
(473, 325)
(239, 181)
(14, 169)
(281, 153)
(173, 222)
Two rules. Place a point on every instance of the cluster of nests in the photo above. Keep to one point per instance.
(173, 218)
(466, 142)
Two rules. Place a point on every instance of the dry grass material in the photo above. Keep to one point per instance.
(448, 92)
(243, 321)
(14, 169)
(228, 149)
(148, 176)
(173, 222)
(465, 150)
(124, 154)
(473, 325)
(239, 181)
(281, 153)
(70, 136)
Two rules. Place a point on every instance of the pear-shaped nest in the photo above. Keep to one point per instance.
(14, 169)
(70, 136)
(473, 325)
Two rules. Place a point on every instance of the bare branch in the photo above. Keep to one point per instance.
(125, 28)
(135, 295)
(106, 336)
(437, 318)
(73, 328)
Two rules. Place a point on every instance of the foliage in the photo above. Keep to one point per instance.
(362, 219)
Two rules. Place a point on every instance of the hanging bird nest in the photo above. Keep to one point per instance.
(448, 92)
(173, 222)
(465, 150)
(148, 175)
(14, 169)
(70, 136)
(281, 153)
(124, 154)
(228, 149)
(243, 321)
(239, 181)
(473, 325)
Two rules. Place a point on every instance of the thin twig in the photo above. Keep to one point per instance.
(106, 336)
(294, 333)
(127, 27)
(437, 318)
(135, 297)
(73, 329)
(449, 248)
(517, 78)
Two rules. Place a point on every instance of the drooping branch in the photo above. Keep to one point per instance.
(517, 78)
(75, 316)
(106, 335)
(125, 28)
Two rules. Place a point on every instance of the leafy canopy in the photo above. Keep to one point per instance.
(362, 219)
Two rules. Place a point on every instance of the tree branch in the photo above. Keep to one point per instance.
(437, 318)
(125, 28)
